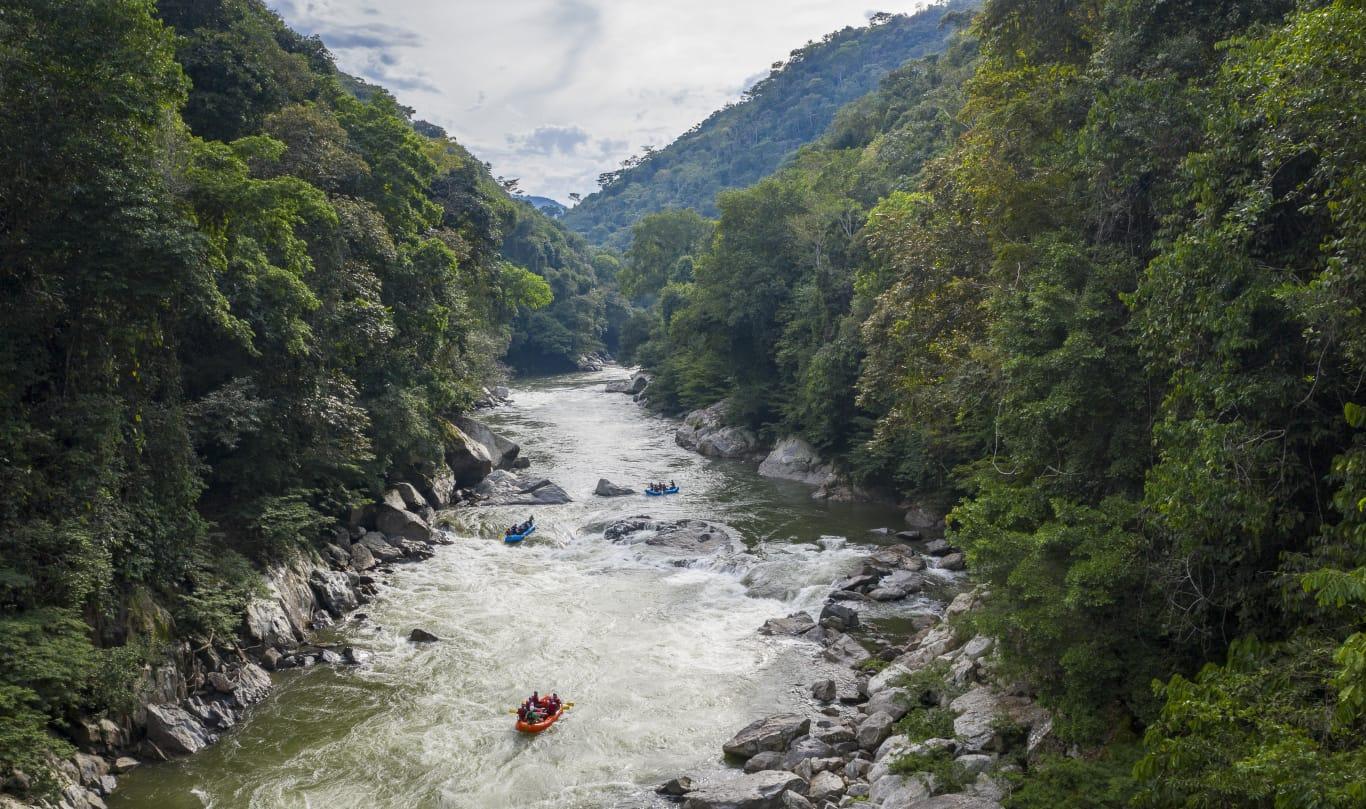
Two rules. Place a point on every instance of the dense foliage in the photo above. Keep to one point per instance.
(745, 141)
(237, 296)
(1094, 278)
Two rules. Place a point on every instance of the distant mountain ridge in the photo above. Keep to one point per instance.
(743, 142)
(550, 207)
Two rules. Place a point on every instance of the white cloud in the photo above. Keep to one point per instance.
(557, 91)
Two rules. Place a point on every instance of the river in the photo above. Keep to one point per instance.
(663, 662)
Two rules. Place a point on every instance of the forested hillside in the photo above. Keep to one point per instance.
(748, 140)
(1093, 279)
(239, 292)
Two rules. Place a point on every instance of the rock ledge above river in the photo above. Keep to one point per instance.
(503, 488)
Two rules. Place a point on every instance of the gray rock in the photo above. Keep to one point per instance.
(898, 792)
(831, 733)
(412, 499)
(938, 547)
(90, 769)
(908, 536)
(333, 591)
(704, 431)
(767, 760)
(503, 488)
(501, 451)
(362, 558)
(792, 800)
(771, 733)
(794, 459)
(825, 786)
(843, 616)
(394, 522)
(329, 657)
(921, 519)
(676, 787)
(957, 801)
(268, 624)
(124, 764)
(271, 658)
(979, 712)
(760, 790)
(794, 624)
(438, 485)
(420, 635)
(823, 690)
(954, 561)
(501, 392)
(974, 763)
(803, 748)
(894, 702)
(607, 488)
(857, 768)
(175, 732)
(845, 650)
(380, 548)
(874, 730)
(468, 460)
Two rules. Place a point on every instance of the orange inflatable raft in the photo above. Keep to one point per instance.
(544, 724)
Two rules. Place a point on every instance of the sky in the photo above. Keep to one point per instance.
(554, 92)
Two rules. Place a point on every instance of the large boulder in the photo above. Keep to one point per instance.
(397, 522)
(334, 592)
(982, 713)
(803, 748)
(607, 488)
(705, 432)
(794, 459)
(503, 488)
(437, 484)
(760, 790)
(771, 733)
(379, 547)
(469, 461)
(175, 732)
(268, 625)
(502, 451)
(361, 557)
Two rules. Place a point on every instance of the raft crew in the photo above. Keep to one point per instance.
(522, 528)
(537, 708)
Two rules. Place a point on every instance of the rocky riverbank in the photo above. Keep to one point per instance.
(199, 692)
(922, 723)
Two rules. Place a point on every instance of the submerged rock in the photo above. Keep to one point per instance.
(683, 539)
(794, 624)
(420, 635)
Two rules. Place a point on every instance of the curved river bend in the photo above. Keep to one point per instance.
(664, 662)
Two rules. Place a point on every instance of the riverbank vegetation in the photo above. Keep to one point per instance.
(240, 291)
(1093, 279)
